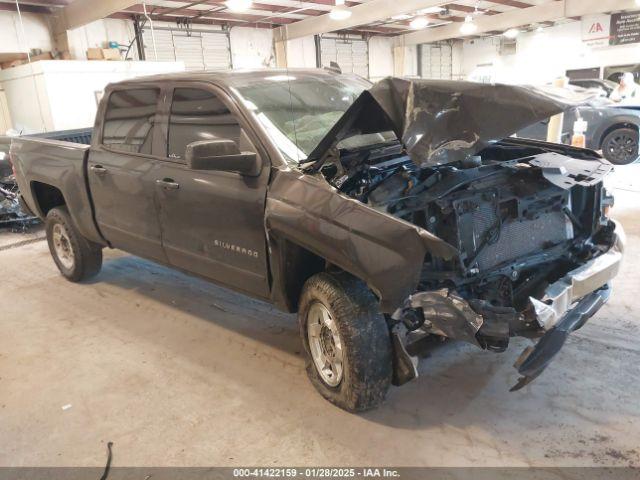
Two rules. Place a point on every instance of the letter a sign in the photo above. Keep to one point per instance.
(596, 30)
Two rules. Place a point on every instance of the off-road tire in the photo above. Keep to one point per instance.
(364, 335)
(87, 256)
(613, 146)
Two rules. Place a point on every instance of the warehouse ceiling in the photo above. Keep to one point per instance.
(275, 13)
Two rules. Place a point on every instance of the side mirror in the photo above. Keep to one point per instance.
(223, 155)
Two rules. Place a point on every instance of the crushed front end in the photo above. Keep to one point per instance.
(535, 247)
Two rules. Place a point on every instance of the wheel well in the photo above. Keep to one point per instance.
(299, 264)
(617, 126)
(47, 197)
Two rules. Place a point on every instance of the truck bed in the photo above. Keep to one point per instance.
(42, 163)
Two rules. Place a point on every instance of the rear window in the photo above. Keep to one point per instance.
(129, 120)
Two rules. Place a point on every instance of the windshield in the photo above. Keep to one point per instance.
(299, 110)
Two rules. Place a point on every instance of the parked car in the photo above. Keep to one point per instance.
(381, 215)
(605, 86)
(611, 128)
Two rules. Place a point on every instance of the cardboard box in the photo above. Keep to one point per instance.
(95, 54)
(111, 54)
(103, 54)
(13, 63)
(42, 56)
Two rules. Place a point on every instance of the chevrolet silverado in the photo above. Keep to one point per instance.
(380, 214)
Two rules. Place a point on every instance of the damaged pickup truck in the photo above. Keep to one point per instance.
(381, 214)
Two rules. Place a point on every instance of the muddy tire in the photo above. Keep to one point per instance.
(346, 340)
(76, 257)
(621, 146)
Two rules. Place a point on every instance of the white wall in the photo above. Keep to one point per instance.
(410, 67)
(380, 58)
(97, 34)
(252, 47)
(63, 94)
(36, 30)
(5, 116)
(38, 34)
(540, 57)
(301, 52)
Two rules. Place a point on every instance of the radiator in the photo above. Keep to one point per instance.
(517, 238)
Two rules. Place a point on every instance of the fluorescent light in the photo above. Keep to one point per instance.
(338, 13)
(404, 16)
(419, 23)
(512, 33)
(238, 5)
(468, 27)
(429, 10)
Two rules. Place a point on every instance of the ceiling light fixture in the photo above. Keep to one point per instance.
(511, 33)
(238, 5)
(434, 10)
(468, 27)
(403, 16)
(339, 12)
(419, 23)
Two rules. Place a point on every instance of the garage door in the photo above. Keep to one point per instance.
(199, 50)
(436, 61)
(351, 54)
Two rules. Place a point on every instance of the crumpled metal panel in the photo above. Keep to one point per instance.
(560, 295)
(442, 121)
(384, 251)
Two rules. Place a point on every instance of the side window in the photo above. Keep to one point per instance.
(129, 120)
(200, 115)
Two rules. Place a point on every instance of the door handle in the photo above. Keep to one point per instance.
(98, 169)
(168, 184)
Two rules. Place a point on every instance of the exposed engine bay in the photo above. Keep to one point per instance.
(521, 216)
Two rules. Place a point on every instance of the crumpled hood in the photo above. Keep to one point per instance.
(443, 121)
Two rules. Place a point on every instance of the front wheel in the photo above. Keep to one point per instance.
(347, 341)
(76, 257)
(621, 146)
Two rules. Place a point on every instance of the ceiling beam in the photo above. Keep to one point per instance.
(550, 11)
(512, 3)
(11, 7)
(81, 12)
(215, 15)
(362, 14)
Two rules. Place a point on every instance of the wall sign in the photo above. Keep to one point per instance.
(596, 30)
(625, 28)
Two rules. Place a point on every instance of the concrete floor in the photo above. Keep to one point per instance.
(176, 371)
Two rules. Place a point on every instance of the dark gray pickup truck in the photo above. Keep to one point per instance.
(381, 214)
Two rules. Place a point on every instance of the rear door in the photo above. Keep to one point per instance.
(212, 222)
(121, 172)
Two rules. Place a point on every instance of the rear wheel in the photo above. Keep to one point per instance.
(621, 146)
(347, 341)
(76, 257)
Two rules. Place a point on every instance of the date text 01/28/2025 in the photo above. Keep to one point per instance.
(315, 472)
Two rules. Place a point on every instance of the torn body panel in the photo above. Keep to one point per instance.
(385, 252)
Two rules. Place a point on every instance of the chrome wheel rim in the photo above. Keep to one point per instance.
(325, 344)
(62, 246)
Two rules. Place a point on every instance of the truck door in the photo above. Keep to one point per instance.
(212, 222)
(121, 173)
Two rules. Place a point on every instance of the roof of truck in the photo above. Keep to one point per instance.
(232, 77)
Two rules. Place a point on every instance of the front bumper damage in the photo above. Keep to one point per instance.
(565, 307)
